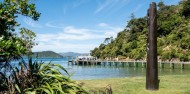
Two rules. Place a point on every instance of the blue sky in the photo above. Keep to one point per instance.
(81, 25)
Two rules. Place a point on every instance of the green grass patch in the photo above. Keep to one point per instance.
(174, 84)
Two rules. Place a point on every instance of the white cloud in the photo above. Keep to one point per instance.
(32, 23)
(71, 33)
(102, 24)
(110, 30)
(49, 24)
(106, 4)
(79, 2)
(113, 32)
(65, 47)
(110, 5)
(137, 8)
(67, 6)
(80, 39)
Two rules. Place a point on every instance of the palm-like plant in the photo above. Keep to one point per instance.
(39, 78)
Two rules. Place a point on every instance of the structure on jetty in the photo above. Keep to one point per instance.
(162, 64)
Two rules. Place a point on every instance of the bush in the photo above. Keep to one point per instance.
(39, 78)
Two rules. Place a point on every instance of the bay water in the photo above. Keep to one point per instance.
(101, 71)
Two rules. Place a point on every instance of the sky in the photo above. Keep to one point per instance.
(82, 25)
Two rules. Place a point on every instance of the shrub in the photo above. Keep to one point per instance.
(39, 78)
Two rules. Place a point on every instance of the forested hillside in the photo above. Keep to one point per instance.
(173, 33)
(46, 54)
(73, 54)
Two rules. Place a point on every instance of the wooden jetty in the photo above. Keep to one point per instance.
(162, 64)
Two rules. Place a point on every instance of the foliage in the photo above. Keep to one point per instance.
(28, 38)
(173, 33)
(11, 49)
(38, 77)
(32, 77)
(11, 45)
(186, 8)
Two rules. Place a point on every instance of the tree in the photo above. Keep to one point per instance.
(34, 77)
(161, 5)
(12, 47)
(173, 35)
(108, 40)
(28, 38)
(186, 8)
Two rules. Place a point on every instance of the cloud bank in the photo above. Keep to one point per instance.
(77, 39)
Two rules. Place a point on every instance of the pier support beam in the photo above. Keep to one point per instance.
(129, 64)
(142, 65)
(116, 63)
(77, 62)
(109, 63)
(145, 64)
(123, 64)
(152, 82)
(182, 66)
(172, 65)
(161, 64)
(135, 64)
(72, 62)
(83, 62)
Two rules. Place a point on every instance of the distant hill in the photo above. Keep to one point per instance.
(73, 54)
(47, 54)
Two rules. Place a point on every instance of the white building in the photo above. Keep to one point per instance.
(89, 57)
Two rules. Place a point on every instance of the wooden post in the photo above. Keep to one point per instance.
(123, 64)
(162, 65)
(72, 62)
(182, 66)
(152, 82)
(68, 61)
(128, 64)
(145, 64)
(77, 62)
(136, 64)
(93, 63)
(172, 65)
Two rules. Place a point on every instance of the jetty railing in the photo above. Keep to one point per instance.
(162, 64)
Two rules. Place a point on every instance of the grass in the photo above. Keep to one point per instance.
(173, 84)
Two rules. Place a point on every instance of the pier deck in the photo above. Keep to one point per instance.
(162, 64)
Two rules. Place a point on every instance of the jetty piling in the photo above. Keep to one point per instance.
(142, 64)
(182, 66)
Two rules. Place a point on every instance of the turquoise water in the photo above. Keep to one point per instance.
(100, 72)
